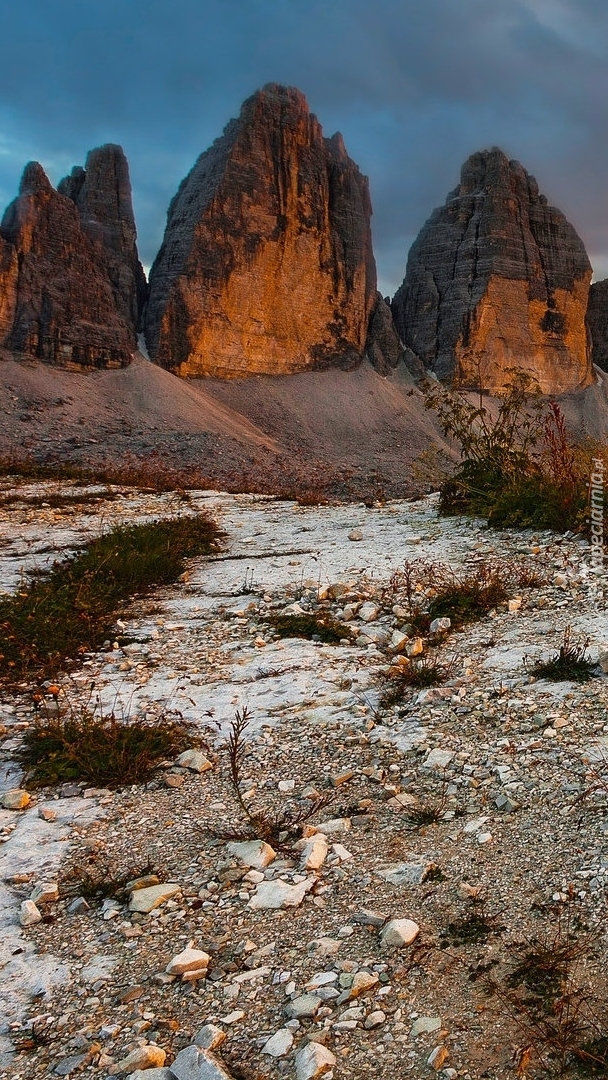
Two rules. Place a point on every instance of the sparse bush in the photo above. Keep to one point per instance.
(508, 474)
(72, 609)
(569, 663)
(417, 675)
(279, 828)
(105, 751)
(312, 627)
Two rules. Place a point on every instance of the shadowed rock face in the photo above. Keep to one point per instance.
(57, 303)
(597, 321)
(102, 193)
(266, 265)
(497, 279)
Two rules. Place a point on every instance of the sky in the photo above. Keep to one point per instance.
(415, 87)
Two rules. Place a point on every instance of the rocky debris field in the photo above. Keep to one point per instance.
(456, 828)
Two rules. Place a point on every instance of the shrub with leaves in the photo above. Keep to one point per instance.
(518, 465)
(73, 609)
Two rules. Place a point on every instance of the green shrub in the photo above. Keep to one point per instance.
(72, 609)
(312, 627)
(104, 751)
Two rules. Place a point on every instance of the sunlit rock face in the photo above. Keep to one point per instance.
(56, 300)
(597, 320)
(266, 265)
(497, 280)
(102, 193)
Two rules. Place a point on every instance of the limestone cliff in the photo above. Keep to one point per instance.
(102, 193)
(597, 321)
(56, 303)
(497, 279)
(266, 264)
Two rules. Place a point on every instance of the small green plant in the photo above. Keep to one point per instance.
(279, 828)
(104, 751)
(465, 597)
(417, 675)
(565, 1034)
(509, 473)
(569, 663)
(312, 627)
(72, 609)
(99, 878)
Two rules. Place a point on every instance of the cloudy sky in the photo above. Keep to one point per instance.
(415, 86)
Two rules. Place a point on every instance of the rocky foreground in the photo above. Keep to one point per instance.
(463, 822)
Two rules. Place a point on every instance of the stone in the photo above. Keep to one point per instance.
(29, 914)
(209, 1037)
(329, 828)
(405, 873)
(374, 1019)
(266, 266)
(597, 321)
(47, 892)
(271, 895)
(439, 626)
(145, 900)
(368, 612)
(149, 1056)
(278, 1044)
(314, 853)
(497, 279)
(47, 814)
(194, 760)
(16, 799)
(399, 932)
(71, 1064)
(254, 853)
(304, 1005)
(61, 306)
(152, 1074)
(415, 647)
(437, 759)
(383, 348)
(195, 1063)
(398, 641)
(78, 906)
(313, 1060)
(424, 1025)
(362, 981)
(437, 1058)
(191, 964)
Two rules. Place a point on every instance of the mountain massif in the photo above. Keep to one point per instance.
(267, 268)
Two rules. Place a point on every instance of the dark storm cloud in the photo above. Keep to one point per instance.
(414, 87)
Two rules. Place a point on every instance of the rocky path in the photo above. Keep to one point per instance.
(461, 821)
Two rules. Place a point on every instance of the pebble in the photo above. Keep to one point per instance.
(279, 1044)
(146, 900)
(47, 892)
(16, 799)
(424, 1025)
(313, 1060)
(191, 964)
(314, 852)
(399, 932)
(194, 760)
(209, 1037)
(279, 894)
(149, 1056)
(253, 853)
(193, 1063)
(29, 914)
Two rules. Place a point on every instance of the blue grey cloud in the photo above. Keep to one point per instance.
(415, 88)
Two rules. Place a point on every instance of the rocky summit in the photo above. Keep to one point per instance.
(102, 194)
(497, 279)
(57, 301)
(597, 321)
(266, 265)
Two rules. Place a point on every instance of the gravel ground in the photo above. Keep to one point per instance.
(483, 800)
